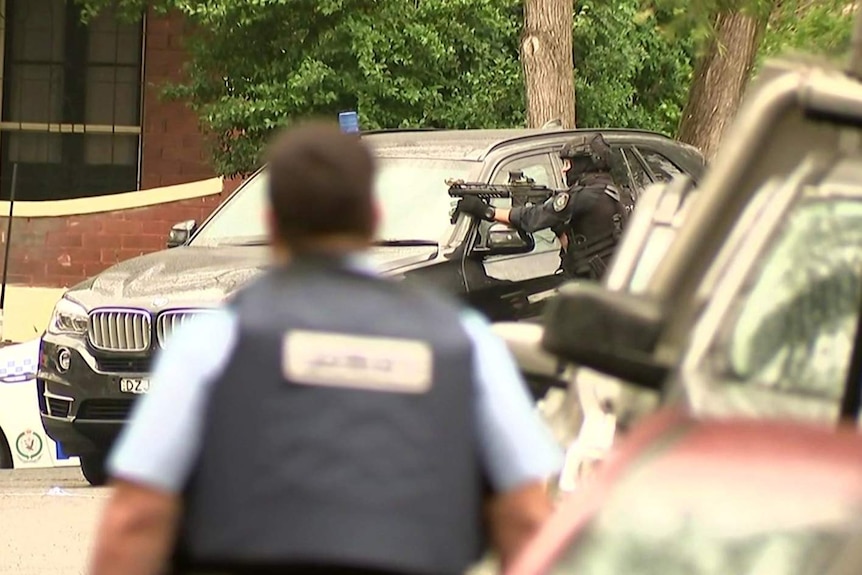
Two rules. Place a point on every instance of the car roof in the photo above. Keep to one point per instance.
(477, 144)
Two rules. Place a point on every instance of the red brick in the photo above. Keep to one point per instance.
(90, 254)
(168, 167)
(19, 279)
(128, 254)
(93, 240)
(156, 227)
(84, 225)
(175, 41)
(73, 269)
(120, 225)
(61, 280)
(157, 23)
(64, 239)
(174, 151)
(157, 39)
(142, 242)
(93, 269)
(108, 255)
(27, 268)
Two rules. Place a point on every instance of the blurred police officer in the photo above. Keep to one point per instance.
(326, 418)
(588, 217)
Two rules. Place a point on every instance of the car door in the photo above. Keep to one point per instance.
(508, 287)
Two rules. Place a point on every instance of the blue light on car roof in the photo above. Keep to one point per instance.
(349, 121)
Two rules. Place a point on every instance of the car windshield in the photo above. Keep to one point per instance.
(411, 193)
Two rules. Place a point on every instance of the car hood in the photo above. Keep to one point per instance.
(202, 276)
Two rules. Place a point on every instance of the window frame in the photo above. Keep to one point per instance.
(74, 127)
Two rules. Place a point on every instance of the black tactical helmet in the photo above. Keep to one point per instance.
(591, 146)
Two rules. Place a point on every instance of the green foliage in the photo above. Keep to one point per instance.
(629, 73)
(256, 65)
(820, 27)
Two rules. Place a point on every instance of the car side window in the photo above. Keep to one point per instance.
(539, 168)
(664, 169)
(794, 326)
(635, 170)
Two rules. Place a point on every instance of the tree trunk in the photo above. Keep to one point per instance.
(720, 78)
(546, 54)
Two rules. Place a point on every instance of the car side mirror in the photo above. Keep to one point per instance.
(502, 239)
(181, 233)
(614, 333)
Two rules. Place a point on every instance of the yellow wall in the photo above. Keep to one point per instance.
(28, 310)
(115, 202)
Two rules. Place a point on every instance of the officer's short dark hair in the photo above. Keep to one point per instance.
(320, 184)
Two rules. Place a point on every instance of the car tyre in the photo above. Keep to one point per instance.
(5, 453)
(93, 468)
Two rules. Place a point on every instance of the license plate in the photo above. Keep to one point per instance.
(129, 385)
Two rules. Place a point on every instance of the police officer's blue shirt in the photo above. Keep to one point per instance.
(161, 442)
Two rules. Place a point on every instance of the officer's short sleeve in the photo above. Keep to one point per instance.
(161, 441)
(516, 446)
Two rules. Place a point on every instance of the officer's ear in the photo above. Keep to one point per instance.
(376, 214)
(271, 224)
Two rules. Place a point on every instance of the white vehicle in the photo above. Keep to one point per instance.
(740, 299)
(23, 442)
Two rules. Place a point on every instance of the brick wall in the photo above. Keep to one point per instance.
(62, 251)
(173, 149)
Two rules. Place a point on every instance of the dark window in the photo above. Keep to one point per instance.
(663, 168)
(636, 171)
(71, 102)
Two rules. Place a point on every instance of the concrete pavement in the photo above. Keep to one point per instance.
(48, 520)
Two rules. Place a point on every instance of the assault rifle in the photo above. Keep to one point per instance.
(523, 192)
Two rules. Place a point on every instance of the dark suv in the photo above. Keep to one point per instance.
(96, 354)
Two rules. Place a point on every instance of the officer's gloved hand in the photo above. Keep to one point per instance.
(476, 207)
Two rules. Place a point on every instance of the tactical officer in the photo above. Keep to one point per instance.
(588, 217)
(327, 419)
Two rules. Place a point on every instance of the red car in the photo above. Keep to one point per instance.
(681, 496)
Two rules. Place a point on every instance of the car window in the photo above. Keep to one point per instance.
(411, 192)
(539, 168)
(634, 169)
(663, 168)
(793, 327)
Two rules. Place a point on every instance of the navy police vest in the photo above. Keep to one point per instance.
(341, 431)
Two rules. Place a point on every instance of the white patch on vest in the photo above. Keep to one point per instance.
(358, 362)
(561, 201)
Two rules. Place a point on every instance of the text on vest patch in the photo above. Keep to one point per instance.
(358, 362)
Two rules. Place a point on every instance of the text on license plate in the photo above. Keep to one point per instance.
(134, 385)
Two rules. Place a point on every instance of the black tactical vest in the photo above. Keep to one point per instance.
(594, 235)
(300, 467)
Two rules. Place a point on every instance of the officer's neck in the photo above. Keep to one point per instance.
(329, 247)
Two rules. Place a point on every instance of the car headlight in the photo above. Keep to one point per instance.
(68, 318)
